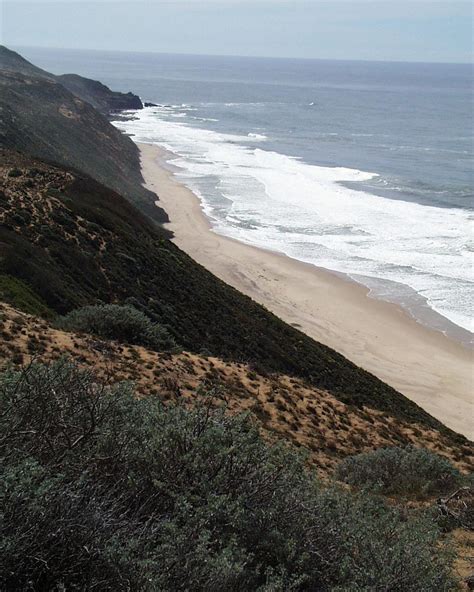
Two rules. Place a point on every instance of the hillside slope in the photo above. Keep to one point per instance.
(283, 407)
(12, 61)
(74, 242)
(97, 94)
(40, 117)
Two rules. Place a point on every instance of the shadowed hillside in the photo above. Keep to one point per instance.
(92, 91)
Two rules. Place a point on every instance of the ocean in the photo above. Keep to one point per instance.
(362, 168)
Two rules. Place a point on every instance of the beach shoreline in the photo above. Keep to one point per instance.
(428, 367)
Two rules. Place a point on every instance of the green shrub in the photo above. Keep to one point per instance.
(101, 491)
(56, 535)
(406, 470)
(15, 172)
(123, 323)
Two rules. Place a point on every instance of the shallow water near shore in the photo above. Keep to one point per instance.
(396, 293)
(360, 168)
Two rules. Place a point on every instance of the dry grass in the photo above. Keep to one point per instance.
(464, 564)
(283, 407)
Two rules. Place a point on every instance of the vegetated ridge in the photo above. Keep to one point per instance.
(94, 92)
(40, 116)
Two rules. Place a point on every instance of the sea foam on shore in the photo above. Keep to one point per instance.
(413, 254)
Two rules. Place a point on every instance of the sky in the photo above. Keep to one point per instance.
(414, 30)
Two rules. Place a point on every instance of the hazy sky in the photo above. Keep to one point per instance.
(416, 30)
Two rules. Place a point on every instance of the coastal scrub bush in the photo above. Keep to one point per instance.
(103, 491)
(409, 470)
(57, 534)
(120, 322)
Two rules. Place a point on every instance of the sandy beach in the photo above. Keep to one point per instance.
(431, 369)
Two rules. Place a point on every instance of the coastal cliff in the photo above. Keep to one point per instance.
(163, 431)
(93, 92)
(76, 242)
(41, 117)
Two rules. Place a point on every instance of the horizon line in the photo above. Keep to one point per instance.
(218, 55)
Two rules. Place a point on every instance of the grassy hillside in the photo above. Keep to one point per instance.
(283, 407)
(70, 241)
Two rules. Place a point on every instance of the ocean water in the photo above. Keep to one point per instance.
(362, 168)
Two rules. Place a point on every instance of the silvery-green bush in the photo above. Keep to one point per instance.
(406, 470)
(102, 491)
(120, 322)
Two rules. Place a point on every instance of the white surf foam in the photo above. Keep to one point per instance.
(257, 136)
(281, 203)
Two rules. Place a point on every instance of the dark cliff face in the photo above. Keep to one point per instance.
(40, 117)
(97, 94)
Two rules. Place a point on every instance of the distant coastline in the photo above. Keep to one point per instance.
(425, 365)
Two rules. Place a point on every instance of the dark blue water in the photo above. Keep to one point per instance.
(361, 167)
